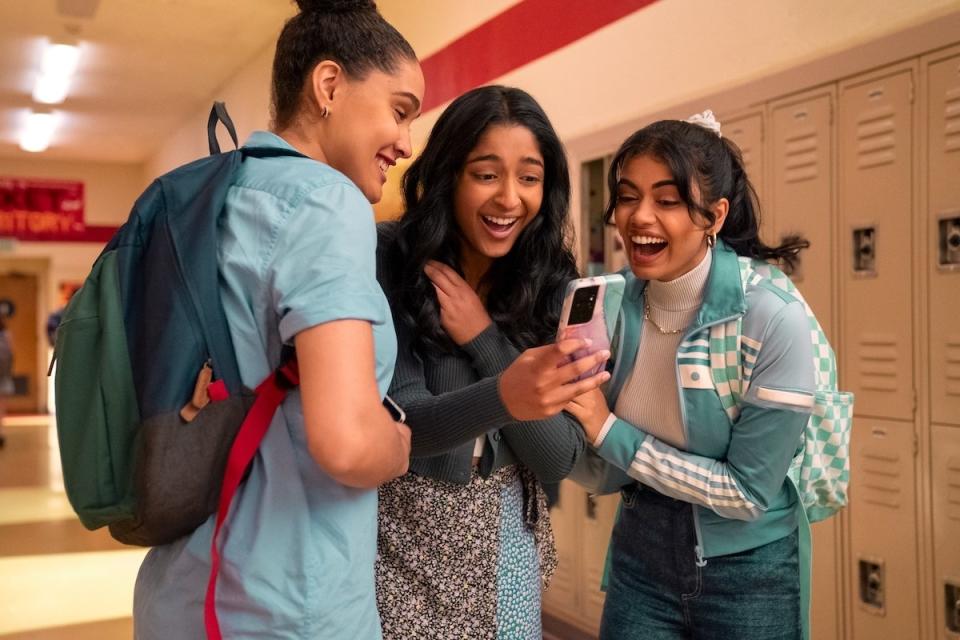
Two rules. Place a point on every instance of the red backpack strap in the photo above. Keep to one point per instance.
(270, 394)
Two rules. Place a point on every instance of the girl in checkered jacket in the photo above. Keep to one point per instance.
(712, 388)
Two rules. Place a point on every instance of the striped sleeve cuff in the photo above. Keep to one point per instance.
(604, 429)
(621, 442)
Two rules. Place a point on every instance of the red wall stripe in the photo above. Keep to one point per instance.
(526, 31)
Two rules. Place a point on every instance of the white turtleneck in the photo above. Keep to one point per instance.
(650, 398)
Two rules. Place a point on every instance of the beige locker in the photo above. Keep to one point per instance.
(801, 193)
(876, 195)
(747, 132)
(826, 602)
(601, 511)
(563, 594)
(883, 531)
(946, 529)
(943, 166)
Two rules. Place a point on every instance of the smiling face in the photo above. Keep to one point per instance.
(369, 125)
(662, 240)
(498, 192)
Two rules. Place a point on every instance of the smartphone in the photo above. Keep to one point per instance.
(395, 411)
(590, 310)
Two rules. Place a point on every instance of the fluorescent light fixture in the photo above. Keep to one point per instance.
(51, 89)
(37, 134)
(59, 63)
(60, 59)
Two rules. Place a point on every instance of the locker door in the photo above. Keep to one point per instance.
(562, 596)
(876, 211)
(747, 133)
(826, 602)
(883, 533)
(598, 524)
(946, 529)
(943, 168)
(802, 194)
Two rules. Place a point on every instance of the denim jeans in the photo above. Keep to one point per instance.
(656, 590)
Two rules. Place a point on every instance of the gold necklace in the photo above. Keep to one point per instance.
(646, 316)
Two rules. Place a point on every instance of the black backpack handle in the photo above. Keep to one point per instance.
(219, 114)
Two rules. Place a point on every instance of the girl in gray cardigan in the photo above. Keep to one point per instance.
(475, 272)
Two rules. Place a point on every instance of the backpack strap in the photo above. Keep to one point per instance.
(218, 113)
(270, 394)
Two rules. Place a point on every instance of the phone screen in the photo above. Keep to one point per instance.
(394, 410)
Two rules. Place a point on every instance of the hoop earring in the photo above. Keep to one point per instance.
(325, 111)
(711, 240)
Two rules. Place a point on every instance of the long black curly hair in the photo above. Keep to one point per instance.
(525, 286)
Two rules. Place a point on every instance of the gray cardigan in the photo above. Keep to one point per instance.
(452, 398)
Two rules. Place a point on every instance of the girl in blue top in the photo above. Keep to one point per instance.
(296, 259)
(706, 545)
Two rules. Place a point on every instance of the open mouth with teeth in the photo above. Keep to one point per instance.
(646, 247)
(499, 227)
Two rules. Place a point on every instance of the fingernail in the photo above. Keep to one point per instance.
(587, 342)
(605, 375)
(605, 354)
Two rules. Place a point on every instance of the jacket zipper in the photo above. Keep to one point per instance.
(698, 549)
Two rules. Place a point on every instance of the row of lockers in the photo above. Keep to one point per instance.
(868, 169)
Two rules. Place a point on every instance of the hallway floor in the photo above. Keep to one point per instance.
(58, 581)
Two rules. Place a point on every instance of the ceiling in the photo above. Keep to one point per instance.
(145, 66)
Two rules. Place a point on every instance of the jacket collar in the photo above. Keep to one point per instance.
(269, 140)
(723, 297)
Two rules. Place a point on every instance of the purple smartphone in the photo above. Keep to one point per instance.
(590, 309)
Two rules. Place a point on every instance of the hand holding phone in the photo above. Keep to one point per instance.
(590, 309)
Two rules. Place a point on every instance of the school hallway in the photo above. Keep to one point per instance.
(58, 581)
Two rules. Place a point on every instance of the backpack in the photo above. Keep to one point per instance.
(821, 471)
(156, 430)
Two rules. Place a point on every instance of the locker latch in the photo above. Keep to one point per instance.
(951, 592)
(865, 251)
(872, 585)
(948, 242)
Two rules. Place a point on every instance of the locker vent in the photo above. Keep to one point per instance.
(878, 358)
(952, 357)
(876, 139)
(953, 488)
(881, 481)
(801, 156)
(951, 115)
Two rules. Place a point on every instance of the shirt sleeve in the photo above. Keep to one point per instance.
(439, 423)
(323, 264)
(764, 439)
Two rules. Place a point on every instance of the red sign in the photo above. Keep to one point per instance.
(42, 210)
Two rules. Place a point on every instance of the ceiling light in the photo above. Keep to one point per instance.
(60, 59)
(37, 134)
(51, 89)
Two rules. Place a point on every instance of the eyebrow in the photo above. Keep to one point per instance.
(409, 96)
(492, 157)
(656, 185)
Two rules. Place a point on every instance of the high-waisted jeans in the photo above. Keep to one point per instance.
(656, 591)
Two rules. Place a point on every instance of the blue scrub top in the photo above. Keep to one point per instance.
(296, 249)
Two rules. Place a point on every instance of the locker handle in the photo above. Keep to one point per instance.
(800, 115)
(876, 93)
(880, 432)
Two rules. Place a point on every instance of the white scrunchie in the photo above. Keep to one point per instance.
(706, 120)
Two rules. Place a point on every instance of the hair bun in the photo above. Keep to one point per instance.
(336, 6)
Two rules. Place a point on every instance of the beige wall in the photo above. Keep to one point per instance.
(672, 52)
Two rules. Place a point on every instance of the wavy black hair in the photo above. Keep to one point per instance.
(352, 33)
(525, 286)
(697, 155)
